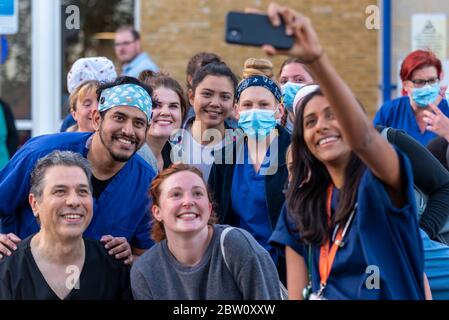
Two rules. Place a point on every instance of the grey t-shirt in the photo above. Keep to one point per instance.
(252, 274)
(147, 154)
(199, 155)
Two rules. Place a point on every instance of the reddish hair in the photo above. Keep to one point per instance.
(416, 60)
(157, 229)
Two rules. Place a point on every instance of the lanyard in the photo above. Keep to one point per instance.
(327, 256)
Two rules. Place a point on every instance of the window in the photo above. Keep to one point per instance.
(15, 73)
(98, 21)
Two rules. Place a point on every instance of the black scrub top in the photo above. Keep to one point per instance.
(102, 276)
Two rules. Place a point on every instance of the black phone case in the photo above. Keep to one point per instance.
(255, 30)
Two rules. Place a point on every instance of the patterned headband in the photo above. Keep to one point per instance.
(259, 81)
(131, 95)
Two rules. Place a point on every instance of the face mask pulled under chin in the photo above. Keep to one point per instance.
(425, 95)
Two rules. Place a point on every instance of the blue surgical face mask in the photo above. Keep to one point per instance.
(425, 95)
(257, 122)
(289, 91)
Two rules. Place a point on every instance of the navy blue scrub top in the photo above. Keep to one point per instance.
(381, 239)
(249, 202)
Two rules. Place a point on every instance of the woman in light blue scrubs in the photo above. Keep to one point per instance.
(420, 73)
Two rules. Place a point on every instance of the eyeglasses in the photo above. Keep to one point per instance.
(124, 43)
(419, 83)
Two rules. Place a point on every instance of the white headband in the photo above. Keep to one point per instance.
(304, 91)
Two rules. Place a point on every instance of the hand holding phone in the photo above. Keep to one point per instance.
(255, 30)
(306, 45)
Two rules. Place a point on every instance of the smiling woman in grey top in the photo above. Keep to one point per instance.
(192, 260)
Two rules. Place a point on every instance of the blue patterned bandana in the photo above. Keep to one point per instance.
(259, 81)
(130, 95)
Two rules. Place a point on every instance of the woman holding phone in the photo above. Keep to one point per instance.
(351, 192)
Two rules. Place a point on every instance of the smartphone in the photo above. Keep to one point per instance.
(251, 29)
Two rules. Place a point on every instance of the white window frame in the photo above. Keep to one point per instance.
(46, 67)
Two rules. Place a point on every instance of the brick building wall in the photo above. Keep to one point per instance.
(174, 30)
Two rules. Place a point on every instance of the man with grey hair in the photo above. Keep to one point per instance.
(48, 264)
(120, 178)
(57, 158)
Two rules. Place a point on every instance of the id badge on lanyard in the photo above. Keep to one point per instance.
(307, 293)
(315, 296)
(319, 295)
(327, 255)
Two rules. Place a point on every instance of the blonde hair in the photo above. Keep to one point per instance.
(81, 91)
(261, 67)
(73, 128)
(257, 67)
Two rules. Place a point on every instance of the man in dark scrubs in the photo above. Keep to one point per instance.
(57, 262)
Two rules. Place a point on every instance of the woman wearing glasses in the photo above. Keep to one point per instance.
(420, 73)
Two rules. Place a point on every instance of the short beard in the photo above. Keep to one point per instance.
(115, 157)
(118, 158)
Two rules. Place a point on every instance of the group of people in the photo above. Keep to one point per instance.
(233, 189)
